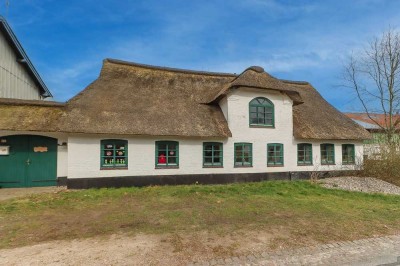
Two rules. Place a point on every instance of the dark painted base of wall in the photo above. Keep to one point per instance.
(61, 181)
(140, 181)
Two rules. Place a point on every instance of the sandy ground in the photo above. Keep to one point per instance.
(10, 193)
(140, 249)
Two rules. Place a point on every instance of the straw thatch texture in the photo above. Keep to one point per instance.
(317, 119)
(134, 99)
(25, 115)
(256, 77)
(140, 100)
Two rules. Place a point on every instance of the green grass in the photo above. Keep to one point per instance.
(304, 211)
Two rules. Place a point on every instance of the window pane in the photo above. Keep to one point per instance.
(171, 146)
(108, 146)
(246, 148)
(108, 153)
(217, 147)
(120, 147)
(217, 153)
(208, 153)
(162, 146)
(208, 147)
(238, 159)
(172, 160)
(208, 160)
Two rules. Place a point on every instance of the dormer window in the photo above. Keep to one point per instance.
(261, 112)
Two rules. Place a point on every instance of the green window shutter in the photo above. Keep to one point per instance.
(114, 154)
(348, 154)
(275, 154)
(327, 154)
(212, 154)
(261, 112)
(167, 154)
(243, 154)
(304, 154)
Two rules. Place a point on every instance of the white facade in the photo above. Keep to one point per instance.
(79, 154)
(84, 150)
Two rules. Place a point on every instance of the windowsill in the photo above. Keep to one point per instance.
(303, 164)
(113, 168)
(213, 166)
(261, 126)
(275, 165)
(328, 164)
(167, 167)
(243, 166)
(348, 163)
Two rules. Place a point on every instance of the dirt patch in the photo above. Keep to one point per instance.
(142, 249)
(12, 193)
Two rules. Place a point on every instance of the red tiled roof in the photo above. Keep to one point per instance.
(379, 118)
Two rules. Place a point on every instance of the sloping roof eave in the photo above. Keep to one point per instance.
(24, 59)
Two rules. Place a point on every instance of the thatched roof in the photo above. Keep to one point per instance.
(256, 77)
(138, 99)
(134, 99)
(30, 115)
(317, 119)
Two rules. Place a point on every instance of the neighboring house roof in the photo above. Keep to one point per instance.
(22, 57)
(364, 120)
(135, 99)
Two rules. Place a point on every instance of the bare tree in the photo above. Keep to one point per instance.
(374, 74)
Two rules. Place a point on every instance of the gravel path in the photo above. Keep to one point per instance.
(362, 184)
(364, 252)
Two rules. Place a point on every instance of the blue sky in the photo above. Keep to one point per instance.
(297, 40)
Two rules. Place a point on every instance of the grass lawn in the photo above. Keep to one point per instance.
(305, 211)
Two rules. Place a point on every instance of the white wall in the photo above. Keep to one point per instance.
(62, 151)
(84, 150)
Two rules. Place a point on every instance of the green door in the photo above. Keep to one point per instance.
(31, 162)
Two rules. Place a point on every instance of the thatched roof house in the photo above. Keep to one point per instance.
(159, 125)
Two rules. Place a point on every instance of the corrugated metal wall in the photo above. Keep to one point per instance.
(14, 80)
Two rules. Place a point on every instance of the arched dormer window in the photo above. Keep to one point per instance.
(261, 112)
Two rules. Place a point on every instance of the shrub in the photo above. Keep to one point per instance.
(385, 166)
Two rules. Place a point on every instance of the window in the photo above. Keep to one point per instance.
(304, 154)
(348, 154)
(167, 154)
(243, 155)
(114, 154)
(212, 154)
(261, 112)
(275, 154)
(327, 154)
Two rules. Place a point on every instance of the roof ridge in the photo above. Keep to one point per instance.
(296, 82)
(171, 69)
(12, 101)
